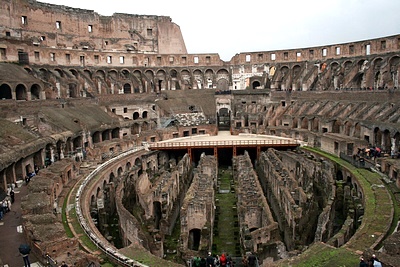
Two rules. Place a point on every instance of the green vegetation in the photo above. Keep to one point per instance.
(226, 229)
(376, 221)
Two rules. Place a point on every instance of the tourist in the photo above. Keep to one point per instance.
(362, 262)
(210, 260)
(222, 260)
(196, 262)
(244, 261)
(229, 262)
(12, 196)
(1, 211)
(24, 250)
(203, 262)
(252, 260)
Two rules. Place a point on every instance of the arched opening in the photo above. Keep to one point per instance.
(127, 88)
(115, 133)
(35, 92)
(194, 239)
(135, 115)
(20, 92)
(157, 214)
(144, 114)
(255, 85)
(96, 137)
(5, 92)
(73, 90)
(135, 129)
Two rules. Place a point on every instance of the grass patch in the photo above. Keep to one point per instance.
(226, 226)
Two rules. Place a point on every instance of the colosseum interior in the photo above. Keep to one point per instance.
(133, 152)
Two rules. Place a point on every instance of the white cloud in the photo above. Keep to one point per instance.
(230, 27)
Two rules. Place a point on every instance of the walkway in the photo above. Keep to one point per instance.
(11, 235)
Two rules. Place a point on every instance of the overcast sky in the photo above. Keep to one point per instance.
(231, 27)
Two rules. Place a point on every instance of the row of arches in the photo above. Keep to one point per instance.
(387, 140)
(21, 91)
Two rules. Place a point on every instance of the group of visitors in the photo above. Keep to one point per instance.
(29, 176)
(5, 204)
(373, 261)
(223, 260)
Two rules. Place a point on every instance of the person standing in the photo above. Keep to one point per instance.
(210, 260)
(252, 260)
(12, 196)
(362, 262)
(1, 211)
(24, 250)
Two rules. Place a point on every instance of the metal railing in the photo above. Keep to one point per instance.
(275, 142)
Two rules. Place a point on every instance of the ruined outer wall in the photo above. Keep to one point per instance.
(255, 216)
(197, 211)
(65, 27)
(332, 51)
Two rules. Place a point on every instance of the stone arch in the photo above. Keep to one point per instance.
(223, 84)
(396, 142)
(296, 70)
(161, 80)
(209, 77)
(145, 114)
(336, 125)
(347, 128)
(334, 65)
(255, 84)
(145, 126)
(127, 88)
(105, 135)
(5, 91)
(113, 75)
(125, 73)
(394, 61)
(115, 133)
(315, 125)
(173, 73)
(304, 123)
(137, 74)
(386, 143)
(58, 72)
(377, 137)
(198, 79)
(339, 175)
(377, 63)
(100, 74)
(150, 86)
(347, 65)
(128, 166)
(73, 90)
(357, 130)
(74, 73)
(88, 73)
(138, 162)
(135, 115)
(194, 239)
(35, 91)
(111, 177)
(294, 124)
(186, 79)
(135, 129)
(378, 80)
(120, 171)
(20, 92)
(96, 137)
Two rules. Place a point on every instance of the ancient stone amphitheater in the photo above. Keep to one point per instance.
(116, 120)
